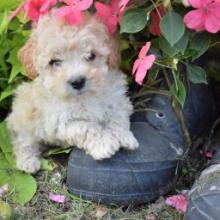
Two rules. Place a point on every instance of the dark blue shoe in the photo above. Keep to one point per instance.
(141, 176)
(205, 193)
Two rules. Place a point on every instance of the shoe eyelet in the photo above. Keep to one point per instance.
(160, 115)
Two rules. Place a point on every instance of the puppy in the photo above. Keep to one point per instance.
(78, 97)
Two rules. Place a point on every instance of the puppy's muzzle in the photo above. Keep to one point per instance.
(79, 83)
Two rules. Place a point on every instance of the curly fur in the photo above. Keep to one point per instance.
(48, 110)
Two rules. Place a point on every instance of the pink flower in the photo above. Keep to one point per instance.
(72, 11)
(34, 8)
(206, 16)
(154, 26)
(111, 15)
(180, 202)
(207, 154)
(143, 64)
(56, 198)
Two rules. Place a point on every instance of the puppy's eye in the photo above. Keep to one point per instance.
(55, 62)
(91, 57)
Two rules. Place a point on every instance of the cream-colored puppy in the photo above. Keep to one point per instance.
(78, 96)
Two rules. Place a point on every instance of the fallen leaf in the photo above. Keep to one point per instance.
(180, 202)
(100, 211)
(57, 198)
(5, 211)
(56, 178)
(150, 217)
(56, 151)
(3, 190)
(209, 154)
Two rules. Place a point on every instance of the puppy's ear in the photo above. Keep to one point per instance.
(114, 56)
(26, 56)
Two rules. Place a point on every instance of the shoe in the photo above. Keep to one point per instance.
(205, 193)
(142, 175)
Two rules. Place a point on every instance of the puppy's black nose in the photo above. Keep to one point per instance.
(78, 83)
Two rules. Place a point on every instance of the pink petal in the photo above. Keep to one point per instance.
(63, 11)
(70, 2)
(17, 11)
(214, 9)
(143, 67)
(140, 75)
(123, 4)
(135, 66)
(115, 6)
(83, 5)
(198, 3)
(75, 18)
(148, 61)
(47, 5)
(112, 24)
(104, 13)
(212, 24)
(209, 154)
(56, 198)
(144, 50)
(33, 13)
(102, 10)
(180, 202)
(194, 19)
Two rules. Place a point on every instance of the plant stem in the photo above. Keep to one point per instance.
(178, 111)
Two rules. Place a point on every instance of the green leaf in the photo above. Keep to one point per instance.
(133, 21)
(22, 186)
(7, 92)
(172, 27)
(4, 22)
(9, 4)
(47, 165)
(178, 91)
(56, 151)
(181, 45)
(188, 53)
(5, 144)
(200, 43)
(17, 67)
(153, 72)
(5, 141)
(167, 48)
(5, 210)
(196, 74)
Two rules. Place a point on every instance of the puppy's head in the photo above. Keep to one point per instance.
(70, 60)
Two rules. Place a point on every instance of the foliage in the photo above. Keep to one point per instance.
(12, 37)
(175, 44)
(22, 186)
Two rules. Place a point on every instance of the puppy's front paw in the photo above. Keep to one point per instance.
(30, 165)
(128, 141)
(103, 148)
